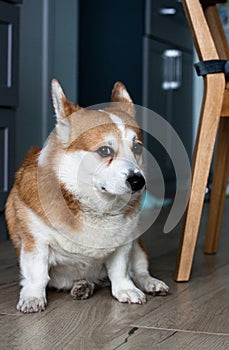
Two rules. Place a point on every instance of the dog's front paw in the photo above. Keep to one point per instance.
(155, 286)
(130, 296)
(31, 304)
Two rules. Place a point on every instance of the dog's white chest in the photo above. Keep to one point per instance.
(98, 238)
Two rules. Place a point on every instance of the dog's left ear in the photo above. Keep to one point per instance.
(120, 95)
(63, 109)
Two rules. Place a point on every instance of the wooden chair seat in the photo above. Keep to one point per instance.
(210, 43)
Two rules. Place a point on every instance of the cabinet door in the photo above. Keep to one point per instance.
(165, 20)
(168, 91)
(7, 116)
(9, 20)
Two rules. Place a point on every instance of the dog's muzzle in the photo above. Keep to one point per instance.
(136, 182)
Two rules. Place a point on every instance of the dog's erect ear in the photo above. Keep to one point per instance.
(63, 109)
(62, 106)
(120, 95)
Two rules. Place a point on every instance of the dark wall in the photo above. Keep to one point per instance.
(110, 48)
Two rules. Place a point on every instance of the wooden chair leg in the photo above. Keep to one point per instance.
(220, 177)
(210, 116)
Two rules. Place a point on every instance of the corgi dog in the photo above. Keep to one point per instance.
(72, 213)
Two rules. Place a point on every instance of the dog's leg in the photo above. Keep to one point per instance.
(140, 272)
(123, 288)
(34, 271)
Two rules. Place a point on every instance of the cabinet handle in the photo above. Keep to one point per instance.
(172, 69)
(4, 138)
(167, 11)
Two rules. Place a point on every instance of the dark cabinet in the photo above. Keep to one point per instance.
(168, 78)
(9, 42)
(110, 48)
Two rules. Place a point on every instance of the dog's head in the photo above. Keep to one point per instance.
(102, 149)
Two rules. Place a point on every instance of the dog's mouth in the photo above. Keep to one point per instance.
(116, 191)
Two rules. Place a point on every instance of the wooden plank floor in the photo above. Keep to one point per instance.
(194, 315)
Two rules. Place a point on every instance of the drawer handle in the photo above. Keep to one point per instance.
(167, 11)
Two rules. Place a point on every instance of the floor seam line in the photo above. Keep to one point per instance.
(182, 330)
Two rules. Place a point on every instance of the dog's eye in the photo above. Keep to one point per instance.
(137, 148)
(105, 151)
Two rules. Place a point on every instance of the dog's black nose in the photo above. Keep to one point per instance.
(136, 182)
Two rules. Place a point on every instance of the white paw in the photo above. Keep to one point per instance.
(31, 304)
(130, 296)
(155, 286)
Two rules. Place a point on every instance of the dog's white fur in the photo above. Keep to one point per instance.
(91, 234)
